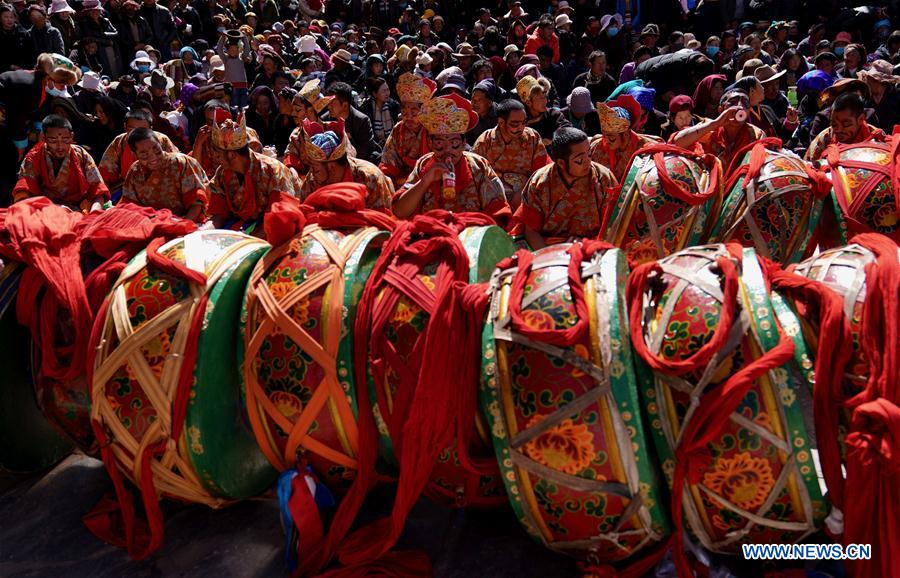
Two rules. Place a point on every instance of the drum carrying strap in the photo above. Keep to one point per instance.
(114, 519)
(716, 406)
(429, 238)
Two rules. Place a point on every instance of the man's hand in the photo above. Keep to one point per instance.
(435, 173)
(727, 115)
(792, 117)
(96, 207)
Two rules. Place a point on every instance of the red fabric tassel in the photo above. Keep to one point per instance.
(873, 444)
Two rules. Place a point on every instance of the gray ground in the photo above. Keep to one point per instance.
(41, 534)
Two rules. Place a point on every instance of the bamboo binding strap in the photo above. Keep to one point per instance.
(873, 443)
(339, 206)
(429, 238)
(152, 462)
(851, 200)
(658, 151)
(710, 410)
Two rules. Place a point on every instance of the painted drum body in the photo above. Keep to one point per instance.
(28, 441)
(863, 195)
(647, 221)
(297, 350)
(566, 421)
(450, 483)
(774, 211)
(151, 318)
(759, 483)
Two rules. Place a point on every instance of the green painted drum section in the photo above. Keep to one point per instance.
(761, 485)
(776, 213)
(649, 224)
(219, 441)
(28, 442)
(587, 486)
(450, 482)
(288, 374)
(215, 441)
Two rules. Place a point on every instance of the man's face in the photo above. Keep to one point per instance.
(447, 148)
(845, 126)
(538, 102)
(37, 18)
(133, 123)
(410, 113)
(578, 163)
(514, 126)
(826, 66)
(59, 141)
(770, 89)
(280, 83)
(338, 109)
(513, 60)
(546, 32)
(756, 94)
(298, 110)
(545, 62)
(598, 66)
(149, 153)
(615, 140)
(324, 173)
(594, 27)
(481, 103)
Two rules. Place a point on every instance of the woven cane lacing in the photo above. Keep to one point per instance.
(173, 474)
(269, 315)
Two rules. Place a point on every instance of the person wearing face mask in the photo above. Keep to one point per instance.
(848, 126)
(61, 170)
(327, 151)
(724, 135)
(449, 178)
(613, 42)
(841, 40)
(618, 141)
(512, 149)
(165, 180)
(26, 94)
(245, 182)
(567, 198)
(407, 142)
(680, 116)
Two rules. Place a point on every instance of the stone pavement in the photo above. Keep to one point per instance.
(41, 534)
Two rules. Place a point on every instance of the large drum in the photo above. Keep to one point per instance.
(668, 201)
(166, 400)
(397, 326)
(845, 270)
(563, 410)
(297, 355)
(739, 449)
(773, 203)
(28, 442)
(863, 197)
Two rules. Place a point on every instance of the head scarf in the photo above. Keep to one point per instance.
(704, 90)
(624, 88)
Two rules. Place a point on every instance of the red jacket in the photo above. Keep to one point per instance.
(535, 41)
